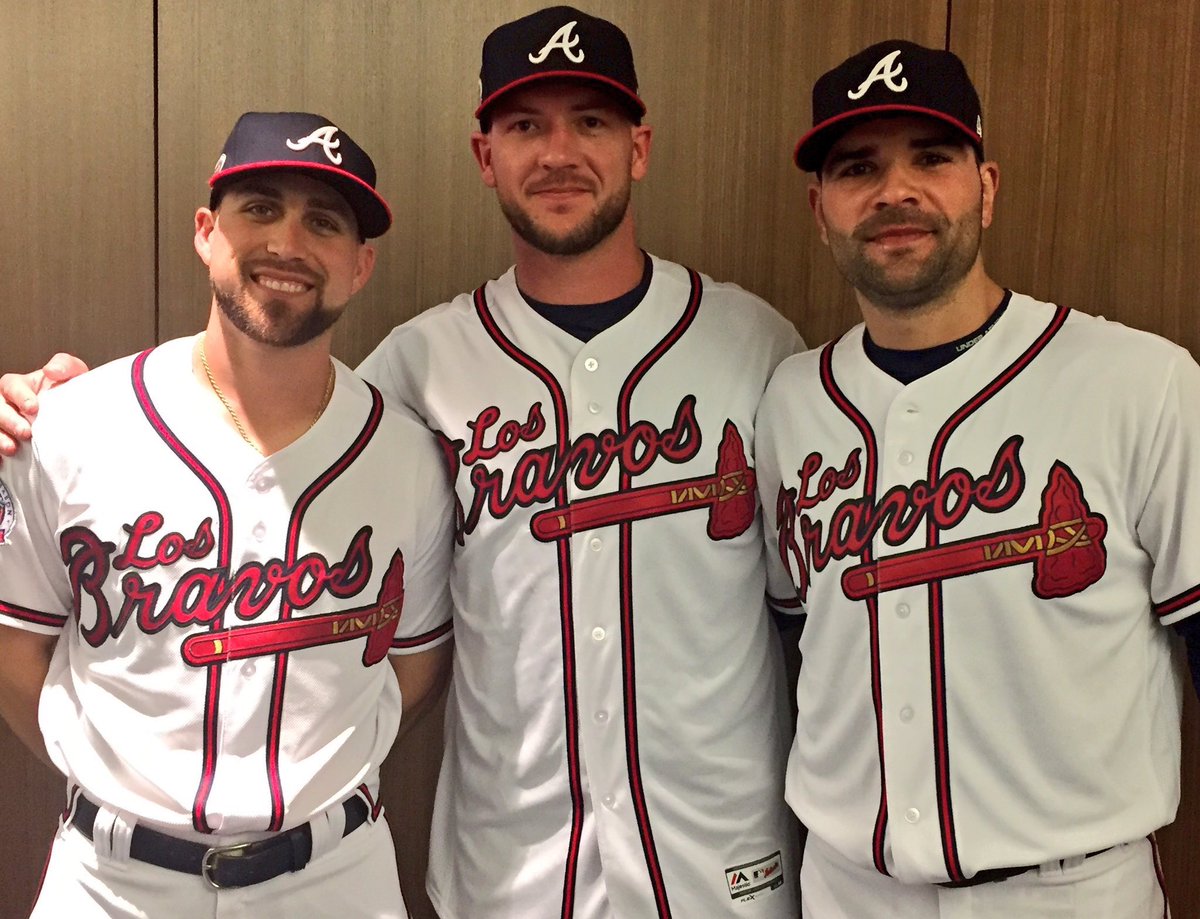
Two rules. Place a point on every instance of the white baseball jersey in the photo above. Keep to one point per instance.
(987, 557)
(614, 745)
(225, 618)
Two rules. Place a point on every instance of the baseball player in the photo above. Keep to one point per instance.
(614, 745)
(616, 740)
(208, 613)
(986, 506)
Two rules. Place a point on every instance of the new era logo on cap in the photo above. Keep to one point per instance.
(559, 42)
(306, 142)
(892, 76)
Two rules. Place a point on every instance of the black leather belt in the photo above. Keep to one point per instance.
(992, 875)
(223, 866)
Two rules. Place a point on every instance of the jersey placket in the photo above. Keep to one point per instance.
(240, 782)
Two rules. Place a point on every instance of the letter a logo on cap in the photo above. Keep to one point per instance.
(564, 40)
(326, 137)
(887, 70)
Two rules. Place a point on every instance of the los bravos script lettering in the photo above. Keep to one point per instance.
(806, 544)
(539, 472)
(199, 595)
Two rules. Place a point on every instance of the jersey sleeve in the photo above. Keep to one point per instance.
(779, 519)
(425, 621)
(1168, 524)
(34, 592)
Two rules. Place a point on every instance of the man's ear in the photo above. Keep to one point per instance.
(639, 158)
(364, 266)
(989, 177)
(205, 223)
(814, 201)
(481, 146)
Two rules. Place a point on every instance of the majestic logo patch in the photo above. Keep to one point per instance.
(887, 70)
(8, 514)
(744, 881)
(328, 140)
(565, 41)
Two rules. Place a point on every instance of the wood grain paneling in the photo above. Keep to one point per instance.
(1093, 112)
(730, 95)
(77, 259)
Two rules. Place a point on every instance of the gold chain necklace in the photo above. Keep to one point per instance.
(237, 421)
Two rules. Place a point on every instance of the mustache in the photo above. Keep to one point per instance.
(559, 179)
(898, 217)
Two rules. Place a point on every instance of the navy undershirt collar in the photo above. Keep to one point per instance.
(907, 366)
(587, 320)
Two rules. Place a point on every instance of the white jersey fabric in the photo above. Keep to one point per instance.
(987, 557)
(615, 745)
(224, 617)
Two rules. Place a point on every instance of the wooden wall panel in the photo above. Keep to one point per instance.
(76, 228)
(729, 104)
(1093, 112)
(77, 260)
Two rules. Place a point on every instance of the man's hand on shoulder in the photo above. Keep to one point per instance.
(20, 393)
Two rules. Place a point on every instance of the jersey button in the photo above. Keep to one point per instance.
(260, 531)
(596, 544)
(599, 634)
(594, 408)
(905, 458)
(248, 669)
(601, 717)
(262, 486)
(591, 364)
(609, 801)
(906, 714)
(902, 610)
(912, 815)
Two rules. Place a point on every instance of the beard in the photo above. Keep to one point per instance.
(890, 284)
(592, 231)
(274, 322)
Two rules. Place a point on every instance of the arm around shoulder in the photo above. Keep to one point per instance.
(20, 393)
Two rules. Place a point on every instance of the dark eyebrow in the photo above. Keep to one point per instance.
(257, 187)
(333, 202)
(837, 157)
(947, 138)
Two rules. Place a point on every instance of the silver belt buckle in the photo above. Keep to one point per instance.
(212, 857)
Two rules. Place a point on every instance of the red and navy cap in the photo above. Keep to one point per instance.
(310, 143)
(892, 77)
(558, 43)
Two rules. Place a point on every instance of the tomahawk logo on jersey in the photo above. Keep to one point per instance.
(538, 474)
(818, 523)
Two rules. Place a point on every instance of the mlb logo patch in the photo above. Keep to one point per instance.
(744, 881)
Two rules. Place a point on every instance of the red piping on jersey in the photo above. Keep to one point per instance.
(37, 617)
(212, 693)
(1171, 605)
(1158, 874)
(632, 750)
(937, 647)
(318, 485)
(425, 637)
(870, 466)
(566, 614)
(375, 807)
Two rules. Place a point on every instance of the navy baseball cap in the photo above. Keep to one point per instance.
(892, 77)
(309, 143)
(559, 42)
